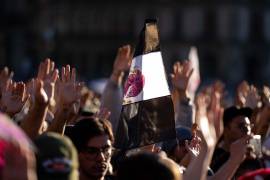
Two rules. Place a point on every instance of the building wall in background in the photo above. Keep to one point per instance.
(233, 37)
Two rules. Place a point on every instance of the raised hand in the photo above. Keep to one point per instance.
(13, 98)
(209, 137)
(35, 88)
(122, 63)
(247, 96)
(33, 121)
(263, 115)
(123, 58)
(253, 98)
(40, 95)
(68, 95)
(181, 75)
(266, 96)
(5, 78)
(238, 149)
(194, 146)
(215, 112)
(209, 116)
(219, 87)
(48, 74)
(68, 90)
(241, 92)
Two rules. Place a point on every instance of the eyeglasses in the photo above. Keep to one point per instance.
(93, 152)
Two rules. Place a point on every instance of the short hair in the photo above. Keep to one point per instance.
(232, 112)
(87, 128)
(145, 166)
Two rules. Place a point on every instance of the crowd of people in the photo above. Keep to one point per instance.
(55, 127)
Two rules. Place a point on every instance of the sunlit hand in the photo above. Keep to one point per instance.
(35, 88)
(13, 98)
(209, 129)
(181, 75)
(253, 98)
(266, 96)
(247, 95)
(219, 87)
(215, 113)
(48, 74)
(122, 63)
(123, 58)
(5, 78)
(68, 90)
(194, 146)
(40, 95)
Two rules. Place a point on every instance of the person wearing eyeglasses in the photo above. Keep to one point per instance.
(93, 139)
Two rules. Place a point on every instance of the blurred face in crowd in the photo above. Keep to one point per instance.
(95, 157)
(238, 128)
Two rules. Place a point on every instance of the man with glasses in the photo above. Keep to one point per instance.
(93, 139)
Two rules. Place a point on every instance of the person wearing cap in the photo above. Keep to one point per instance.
(93, 138)
(175, 148)
(57, 157)
(236, 126)
(17, 152)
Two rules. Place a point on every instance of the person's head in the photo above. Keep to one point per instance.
(145, 166)
(93, 139)
(175, 149)
(56, 157)
(236, 123)
(17, 157)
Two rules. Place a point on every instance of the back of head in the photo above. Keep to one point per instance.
(88, 128)
(145, 166)
(56, 157)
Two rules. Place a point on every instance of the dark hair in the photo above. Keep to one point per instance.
(233, 112)
(145, 166)
(87, 128)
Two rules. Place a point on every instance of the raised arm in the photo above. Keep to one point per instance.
(12, 94)
(211, 127)
(41, 92)
(33, 121)
(182, 103)
(67, 99)
(112, 96)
